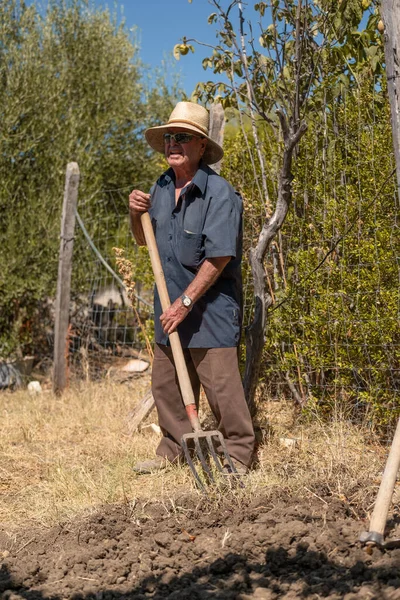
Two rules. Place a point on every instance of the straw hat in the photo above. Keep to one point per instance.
(190, 117)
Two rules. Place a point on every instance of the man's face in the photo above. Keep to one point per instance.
(184, 155)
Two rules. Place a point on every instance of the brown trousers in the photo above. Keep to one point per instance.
(217, 370)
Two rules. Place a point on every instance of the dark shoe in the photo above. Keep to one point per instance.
(151, 465)
(240, 468)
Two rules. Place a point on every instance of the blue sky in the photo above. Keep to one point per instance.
(161, 24)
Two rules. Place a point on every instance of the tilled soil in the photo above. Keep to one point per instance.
(180, 550)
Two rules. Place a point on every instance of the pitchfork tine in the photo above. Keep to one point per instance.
(214, 454)
(201, 456)
(191, 464)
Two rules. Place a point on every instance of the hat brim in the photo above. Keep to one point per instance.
(155, 138)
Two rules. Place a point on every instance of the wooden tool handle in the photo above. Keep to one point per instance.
(177, 352)
(386, 489)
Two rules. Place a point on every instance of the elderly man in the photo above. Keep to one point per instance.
(197, 220)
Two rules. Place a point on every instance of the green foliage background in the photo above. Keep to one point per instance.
(333, 329)
(72, 88)
(332, 339)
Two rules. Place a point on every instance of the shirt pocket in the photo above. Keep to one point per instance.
(190, 248)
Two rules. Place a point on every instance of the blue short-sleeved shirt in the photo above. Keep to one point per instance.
(205, 223)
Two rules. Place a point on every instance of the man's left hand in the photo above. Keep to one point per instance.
(174, 315)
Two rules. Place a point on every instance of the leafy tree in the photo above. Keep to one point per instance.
(333, 334)
(282, 79)
(71, 89)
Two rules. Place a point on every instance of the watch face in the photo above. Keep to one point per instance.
(186, 301)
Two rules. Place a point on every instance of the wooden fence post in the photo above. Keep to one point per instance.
(216, 130)
(390, 11)
(64, 278)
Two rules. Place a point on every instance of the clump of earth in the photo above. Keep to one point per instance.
(189, 548)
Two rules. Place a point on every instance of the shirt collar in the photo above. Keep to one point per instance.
(199, 180)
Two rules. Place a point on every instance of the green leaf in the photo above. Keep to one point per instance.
(238, 68)
(375, 61)
(371, 51)
(260, 7)
(286, 72)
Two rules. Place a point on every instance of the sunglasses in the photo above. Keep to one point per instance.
(180, 138)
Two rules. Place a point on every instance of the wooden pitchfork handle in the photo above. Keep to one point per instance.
(176, 347)
(375, 535)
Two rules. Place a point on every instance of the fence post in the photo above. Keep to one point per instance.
(217, 126)
(64, 278)
(390, 11)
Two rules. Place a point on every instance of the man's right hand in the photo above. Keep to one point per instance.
(139, 202)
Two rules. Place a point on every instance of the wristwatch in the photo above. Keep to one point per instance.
(186, 301)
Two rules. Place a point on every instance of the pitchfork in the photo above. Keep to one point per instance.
(210, 437)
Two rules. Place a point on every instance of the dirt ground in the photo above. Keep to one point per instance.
(190, 548)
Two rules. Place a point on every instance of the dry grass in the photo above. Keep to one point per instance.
(60, 457)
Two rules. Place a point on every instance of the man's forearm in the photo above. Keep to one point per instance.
(208, 274)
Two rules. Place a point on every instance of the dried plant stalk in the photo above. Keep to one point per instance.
(125, 269)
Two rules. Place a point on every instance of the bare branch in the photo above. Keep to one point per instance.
(246, 139)
(284, 124)
(251, 96)
(295, 138)
(294, 391)
(296, 98)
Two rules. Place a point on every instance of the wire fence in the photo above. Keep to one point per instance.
(333, 271)
(104, 326)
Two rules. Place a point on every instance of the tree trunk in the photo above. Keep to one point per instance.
(256, 332)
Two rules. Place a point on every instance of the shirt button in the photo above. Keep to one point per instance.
(168, 259)
(170, 237)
